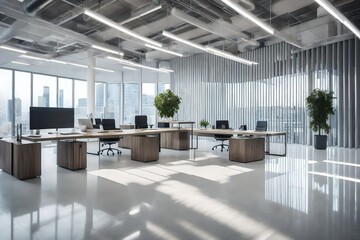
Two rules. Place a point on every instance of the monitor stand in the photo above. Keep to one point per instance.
(37, 132)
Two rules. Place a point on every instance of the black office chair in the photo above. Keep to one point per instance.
(261, 126)
(141, 121)
(222, 124)
(97, 123)
(109, 124)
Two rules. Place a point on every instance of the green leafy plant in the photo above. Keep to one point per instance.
(320, 106)
(203, 123)
(167, 104)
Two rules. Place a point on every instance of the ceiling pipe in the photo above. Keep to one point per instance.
(31, 7)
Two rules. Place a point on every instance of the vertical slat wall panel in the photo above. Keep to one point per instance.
(275, 90)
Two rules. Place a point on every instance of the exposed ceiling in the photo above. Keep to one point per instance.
(59, 29)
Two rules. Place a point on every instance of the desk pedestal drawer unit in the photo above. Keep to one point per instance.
(245, 149)
(125, 142)
(145, 148)
(6, 156)
(71, 154)
(26, 159)
(176, 140)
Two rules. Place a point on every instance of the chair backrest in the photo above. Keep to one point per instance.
(97, 121)
(108, 124)
(141, 121)
(261, 126)
(222, 124)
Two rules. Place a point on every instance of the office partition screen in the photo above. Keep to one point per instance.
(275, 90)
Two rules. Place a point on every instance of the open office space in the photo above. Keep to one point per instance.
(186, 119)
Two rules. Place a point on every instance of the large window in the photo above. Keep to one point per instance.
(22, 99)
(80, 99)
(65, 94)
(131, 102)
(44, 91)
(6, 104)
(100, 91)
(163, 86)
(112, 109)
(148, 95)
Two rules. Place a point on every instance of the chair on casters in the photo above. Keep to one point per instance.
(97, 123)
(222, 124)
(109, 124)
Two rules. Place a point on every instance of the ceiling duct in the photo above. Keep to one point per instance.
(31, 7)
(213, 9)
(248, 5)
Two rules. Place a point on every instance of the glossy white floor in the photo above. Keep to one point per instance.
(307, 195)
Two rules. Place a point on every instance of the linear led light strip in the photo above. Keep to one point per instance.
(130, 68)
(339, 16)
(209, 49)
(140, 15)
(249, 16)
(120, 28)
(126, 62)
(13, 49)
(164, 50)
(21, 63)
(107, 50)
(62, 62)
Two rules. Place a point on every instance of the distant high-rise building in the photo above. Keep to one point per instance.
(100, 95)
(41, 101)
(61, 98)
(11, 109)
(46, 96)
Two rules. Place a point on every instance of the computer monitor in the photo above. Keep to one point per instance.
(87, 122)
(50, 118)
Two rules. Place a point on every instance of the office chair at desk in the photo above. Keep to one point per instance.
(141, 121)
(222, 124)
(109, 124)
(261, 126)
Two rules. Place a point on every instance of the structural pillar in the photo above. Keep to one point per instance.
(91, 84)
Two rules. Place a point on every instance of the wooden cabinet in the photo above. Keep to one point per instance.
(175, 140)
(71, 154)
(145, 148)
(26, 159)
(125, 142)
(6, 156)
(22, 160)
(245, 149)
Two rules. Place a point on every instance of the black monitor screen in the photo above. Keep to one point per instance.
(48, 118)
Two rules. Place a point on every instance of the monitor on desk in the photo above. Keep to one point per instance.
(85, 121)
(51, 117)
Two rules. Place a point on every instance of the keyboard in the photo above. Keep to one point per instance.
(69, 133)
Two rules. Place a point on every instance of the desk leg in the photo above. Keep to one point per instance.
(98, 152)
(267, 150)
(159, 142)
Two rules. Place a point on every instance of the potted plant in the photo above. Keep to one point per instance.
(203, 123)
(167, 104)
(320, 106)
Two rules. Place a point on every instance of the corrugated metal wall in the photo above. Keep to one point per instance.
(215, 88)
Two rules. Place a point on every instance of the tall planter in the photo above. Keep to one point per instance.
(320, 106)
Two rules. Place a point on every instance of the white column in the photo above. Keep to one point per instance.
(91, 84)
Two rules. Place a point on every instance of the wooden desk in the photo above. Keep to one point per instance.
(246, 149)
(266, 134)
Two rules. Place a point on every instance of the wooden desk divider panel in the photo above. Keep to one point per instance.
(26, 159)
(6, 156)
(71, 154)
(246, 149)
(145, 148)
